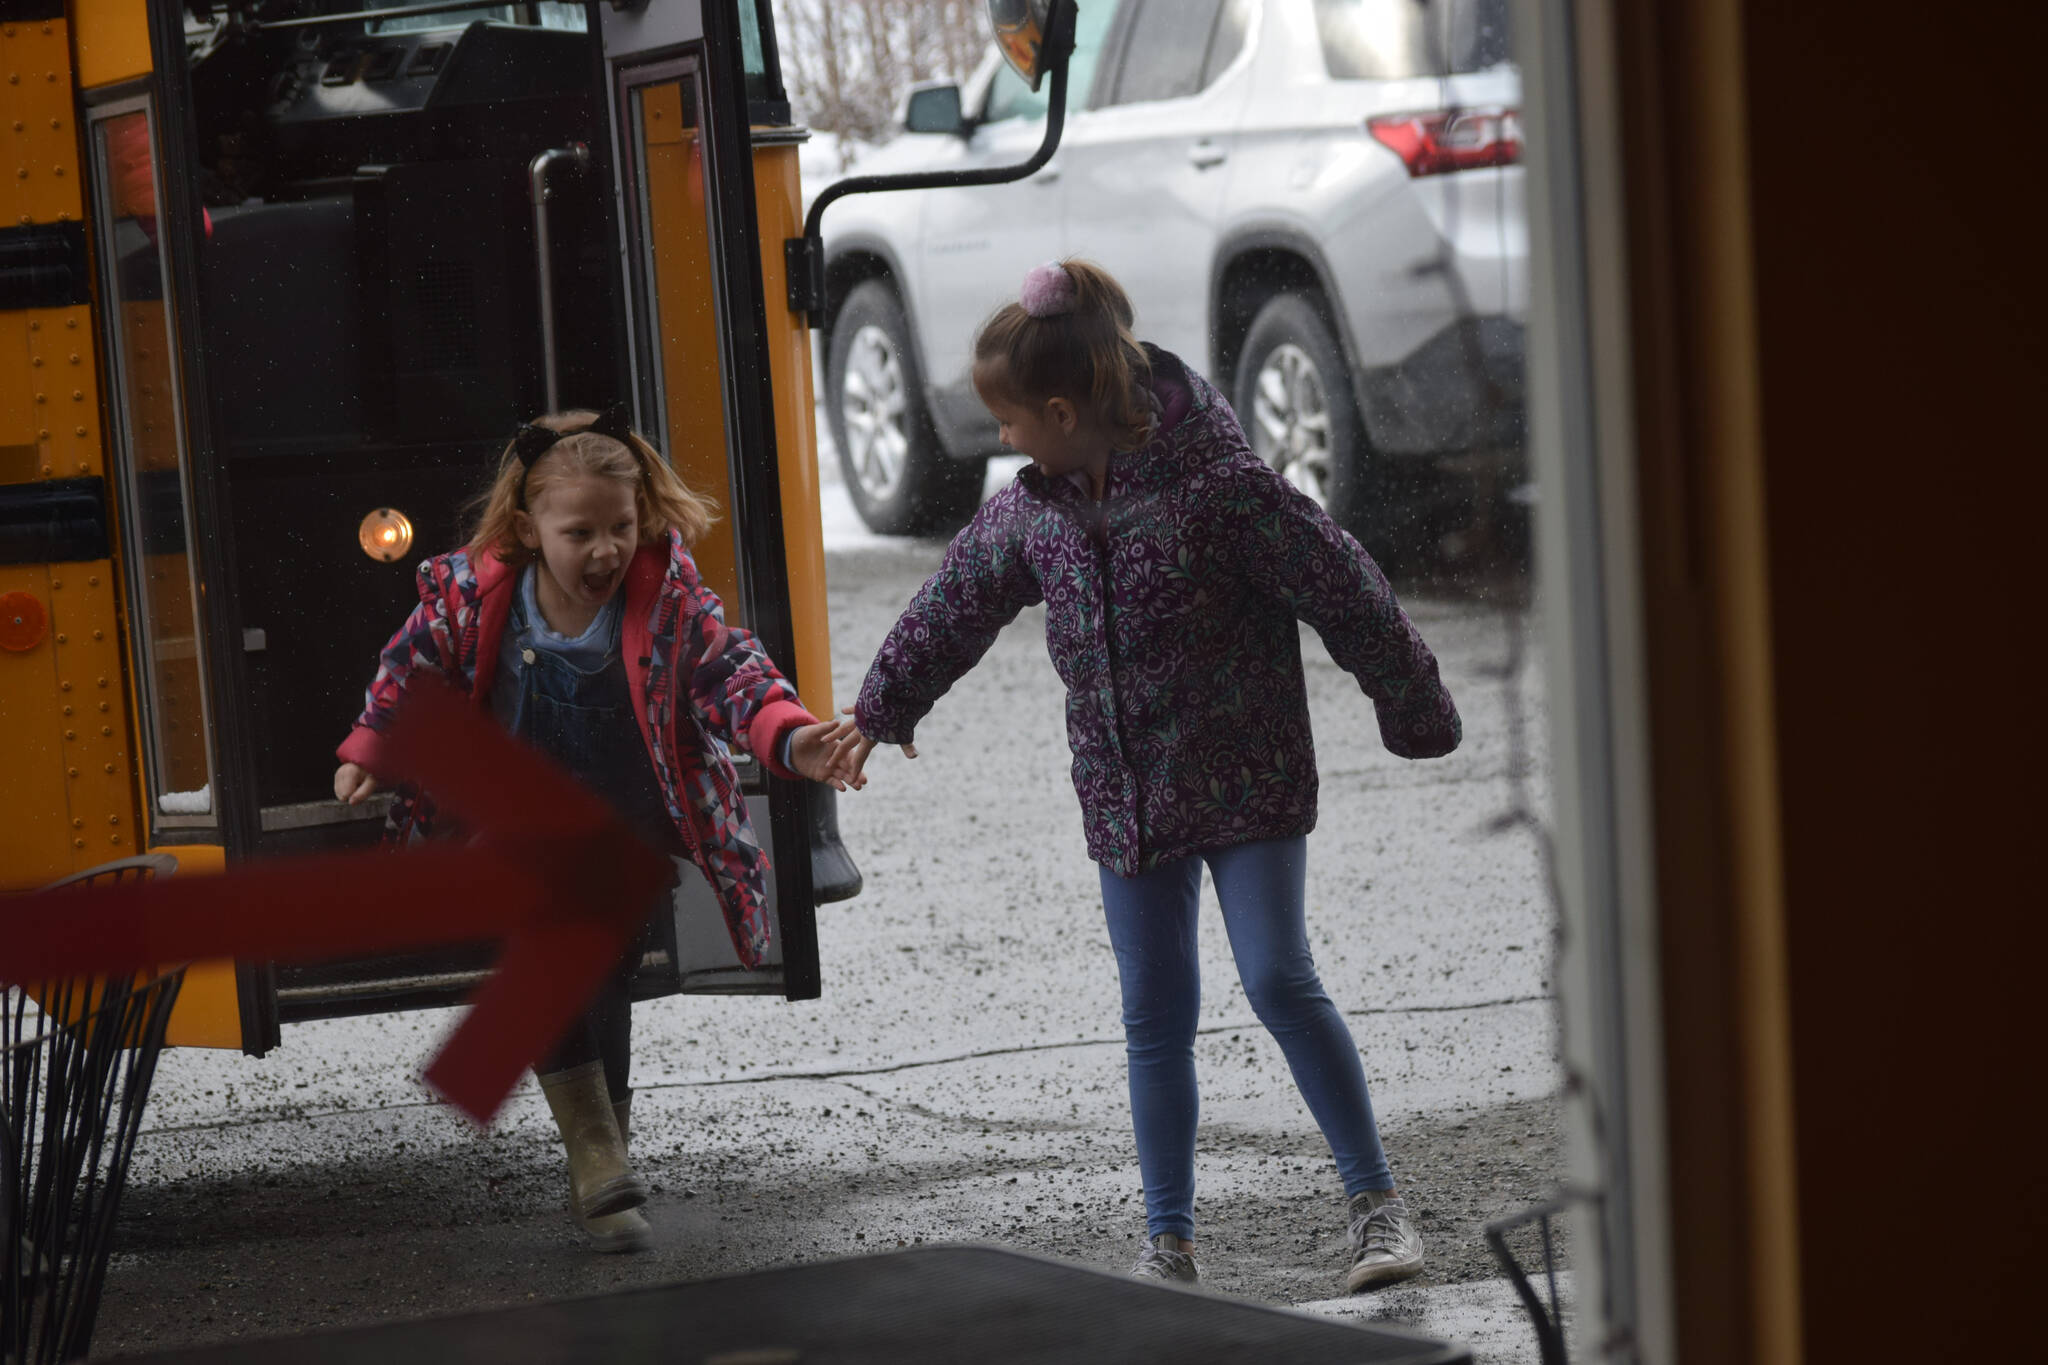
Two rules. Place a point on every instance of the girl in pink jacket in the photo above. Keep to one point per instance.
(576, 615)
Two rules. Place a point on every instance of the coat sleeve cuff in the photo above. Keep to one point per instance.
(364, 747)
(1430, 728)
(764, 736)
(879, 729)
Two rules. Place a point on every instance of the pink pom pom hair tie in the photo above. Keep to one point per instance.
(1048, 290)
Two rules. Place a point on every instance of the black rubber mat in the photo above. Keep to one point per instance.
(928, 1304)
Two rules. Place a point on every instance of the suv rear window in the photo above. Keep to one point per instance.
(1368, 40)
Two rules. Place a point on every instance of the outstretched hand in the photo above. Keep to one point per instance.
(859, 746)
(824, 752)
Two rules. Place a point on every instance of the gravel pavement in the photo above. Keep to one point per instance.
(961, 1079)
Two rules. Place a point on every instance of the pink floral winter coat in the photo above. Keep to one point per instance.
(692, 678)
(1171, 612)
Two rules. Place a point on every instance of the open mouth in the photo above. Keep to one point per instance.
(600, 584)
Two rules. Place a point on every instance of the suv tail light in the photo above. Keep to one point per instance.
(1451, 140)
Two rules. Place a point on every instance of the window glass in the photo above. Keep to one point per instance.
(152, 464)
(553, 14)
(1396, 39)
(1228, 39)
(680, 355)
(1009, 97)
(1164, 55)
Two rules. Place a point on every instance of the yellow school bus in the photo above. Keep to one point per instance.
(278, 278)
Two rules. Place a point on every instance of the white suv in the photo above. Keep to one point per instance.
(1318, 202)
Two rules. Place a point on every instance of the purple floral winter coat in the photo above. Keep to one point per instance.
(1170, 615)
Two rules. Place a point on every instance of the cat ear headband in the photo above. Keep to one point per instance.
(532, 440)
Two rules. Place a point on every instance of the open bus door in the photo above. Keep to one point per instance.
(339, 258)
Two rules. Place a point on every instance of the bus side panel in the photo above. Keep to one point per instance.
(779, 202)
(40, 184)
(113, 41)
(208, 1012)
(35, 824)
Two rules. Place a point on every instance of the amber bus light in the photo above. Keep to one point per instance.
(385, 534)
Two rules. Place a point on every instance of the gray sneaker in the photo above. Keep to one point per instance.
(1164, 1259)
(1385, 1246)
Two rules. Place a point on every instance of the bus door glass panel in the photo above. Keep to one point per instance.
(679, 349)
(678, 313)
(152, 473)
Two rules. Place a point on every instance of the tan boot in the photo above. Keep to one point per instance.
(600, 1181)
(615, 1232)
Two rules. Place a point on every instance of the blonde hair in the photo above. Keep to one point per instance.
(1085, 355)
(662, 499)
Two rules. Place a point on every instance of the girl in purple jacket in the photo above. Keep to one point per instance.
(1174, 565)
(576, 617)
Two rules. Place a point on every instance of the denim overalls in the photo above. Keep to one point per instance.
(583, 719)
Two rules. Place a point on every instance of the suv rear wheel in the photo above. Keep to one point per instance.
(1293, 397)
(900, 480)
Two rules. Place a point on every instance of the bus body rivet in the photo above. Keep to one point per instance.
(78, 824)
(78, 843)
(81, 432)
(106, 730)
(115, 839)
(71, 734)
(63, 639)
(113, 819)
(64, 686)
(35, 362)
(93, 582)
(67, 710)
(110, 767)
(99, 635)
(103, 706)
(72, 771)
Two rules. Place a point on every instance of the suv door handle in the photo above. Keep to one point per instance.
(1047, 174)
(1205, 154)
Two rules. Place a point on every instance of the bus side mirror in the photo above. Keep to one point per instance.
(1021, 28)
(935, 109)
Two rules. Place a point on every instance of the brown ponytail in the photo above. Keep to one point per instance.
(1084, 353)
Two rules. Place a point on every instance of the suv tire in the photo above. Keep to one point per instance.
(1292, 392)
(900, 480)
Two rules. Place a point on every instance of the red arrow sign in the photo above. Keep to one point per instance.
(551, 870)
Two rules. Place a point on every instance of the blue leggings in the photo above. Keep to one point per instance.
(1152, 927)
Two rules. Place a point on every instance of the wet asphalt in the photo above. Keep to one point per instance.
(962, 1077)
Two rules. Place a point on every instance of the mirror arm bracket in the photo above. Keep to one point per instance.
(804, 257)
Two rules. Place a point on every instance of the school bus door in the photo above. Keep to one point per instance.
(259, 626)
(705, 387)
